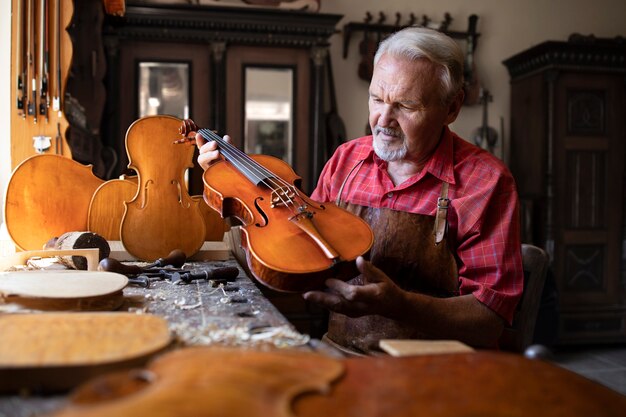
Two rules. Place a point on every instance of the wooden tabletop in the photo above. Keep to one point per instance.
(218, 382)
(466, 384)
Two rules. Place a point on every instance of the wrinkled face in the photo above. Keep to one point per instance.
(406, 113)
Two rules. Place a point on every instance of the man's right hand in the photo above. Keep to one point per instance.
(208, 151)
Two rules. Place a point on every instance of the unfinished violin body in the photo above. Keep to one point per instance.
(47, 195)
(292, 243)
(162, 216)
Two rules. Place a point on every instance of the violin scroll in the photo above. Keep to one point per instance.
(187, 130)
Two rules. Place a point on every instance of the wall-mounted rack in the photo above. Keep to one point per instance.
(380, 29)
(375, 31)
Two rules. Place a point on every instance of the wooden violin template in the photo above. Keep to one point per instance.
(162, 216)
(47, 195)
(292, 243)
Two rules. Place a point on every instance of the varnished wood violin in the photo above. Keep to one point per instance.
(292, 243)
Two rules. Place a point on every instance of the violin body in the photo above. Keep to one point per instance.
(161, 216)
(280, 253)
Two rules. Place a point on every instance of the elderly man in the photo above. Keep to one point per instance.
(446, 262)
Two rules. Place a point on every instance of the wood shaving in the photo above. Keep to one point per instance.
(278, 336)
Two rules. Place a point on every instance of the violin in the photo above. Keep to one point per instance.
(292, 243)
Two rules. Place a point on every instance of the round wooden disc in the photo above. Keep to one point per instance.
(61, 284)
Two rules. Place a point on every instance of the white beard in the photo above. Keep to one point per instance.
(383, 151)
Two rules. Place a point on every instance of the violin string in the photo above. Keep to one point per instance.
(242, 158)
(235, 154)
(254, 168)
(262, 173)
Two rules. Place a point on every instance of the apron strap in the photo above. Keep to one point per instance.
(441, 218)
(343, 184)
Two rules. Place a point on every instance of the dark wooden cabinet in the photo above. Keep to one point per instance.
(568, 134)
(218, 44)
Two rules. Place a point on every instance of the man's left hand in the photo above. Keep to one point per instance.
(377, 295)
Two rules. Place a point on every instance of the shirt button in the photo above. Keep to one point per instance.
(389, 195)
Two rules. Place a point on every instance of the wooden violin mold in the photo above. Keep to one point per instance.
(47, 195)
(162, 216)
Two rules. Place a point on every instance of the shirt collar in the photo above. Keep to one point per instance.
(441, 164)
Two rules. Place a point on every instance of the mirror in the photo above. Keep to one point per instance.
(164, 89)
(268, 122)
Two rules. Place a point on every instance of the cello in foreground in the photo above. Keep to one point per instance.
(292, 243)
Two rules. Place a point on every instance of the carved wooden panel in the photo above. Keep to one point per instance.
(594, 325)
(585, 190)
(584, 267)
(586, 113)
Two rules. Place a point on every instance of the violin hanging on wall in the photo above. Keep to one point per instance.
(292, 243)
(485, 136)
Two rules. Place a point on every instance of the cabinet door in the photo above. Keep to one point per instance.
(275, 81)
(137, 58)
(589, 192)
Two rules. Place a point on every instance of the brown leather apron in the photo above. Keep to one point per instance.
(405, 249)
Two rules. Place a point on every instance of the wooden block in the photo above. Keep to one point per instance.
(81, 240)
(396, 347)
(210, 251)
(20, 258)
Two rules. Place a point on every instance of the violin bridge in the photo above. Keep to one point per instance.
(282, 197)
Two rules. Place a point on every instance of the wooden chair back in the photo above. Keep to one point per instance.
(519, 336)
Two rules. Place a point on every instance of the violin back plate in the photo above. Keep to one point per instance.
(47, 195)
(106, 208)
(211, 381)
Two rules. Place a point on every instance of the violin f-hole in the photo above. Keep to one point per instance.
(180, 194)
(261, 212)
(144, 194)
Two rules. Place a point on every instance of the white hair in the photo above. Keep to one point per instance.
(422, 43)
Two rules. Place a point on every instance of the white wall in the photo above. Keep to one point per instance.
(507, 27)
(5, 98)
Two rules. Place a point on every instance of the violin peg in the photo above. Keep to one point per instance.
(183, 140)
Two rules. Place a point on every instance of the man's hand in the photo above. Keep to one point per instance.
(378, 294)
(208, 151)
(461, 318)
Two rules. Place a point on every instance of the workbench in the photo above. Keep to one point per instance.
(198, 313)
(262, 354)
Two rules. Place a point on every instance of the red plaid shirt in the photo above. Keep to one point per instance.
(483, 216)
